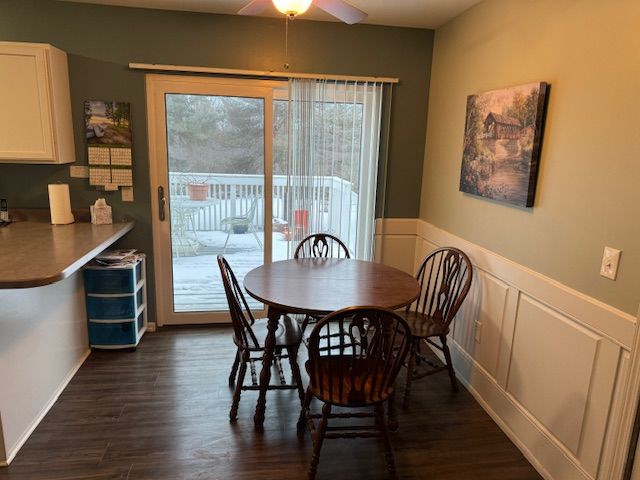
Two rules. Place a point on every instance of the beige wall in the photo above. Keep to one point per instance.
(588, 192)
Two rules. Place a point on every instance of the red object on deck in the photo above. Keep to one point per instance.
(301, 223)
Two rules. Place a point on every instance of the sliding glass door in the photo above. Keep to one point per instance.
(211, 166)
(246, 169)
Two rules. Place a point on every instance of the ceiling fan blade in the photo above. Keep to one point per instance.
(255, 7)
(342, 10)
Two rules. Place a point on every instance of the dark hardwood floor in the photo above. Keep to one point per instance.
(161, 412)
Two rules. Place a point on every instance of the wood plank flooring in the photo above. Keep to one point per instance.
(161, 412)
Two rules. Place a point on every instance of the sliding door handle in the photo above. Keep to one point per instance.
(162, 203)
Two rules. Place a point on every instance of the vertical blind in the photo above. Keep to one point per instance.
(334, 130)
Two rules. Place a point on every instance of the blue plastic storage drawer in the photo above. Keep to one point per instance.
(141, 321)
(112, 280)
(113, 308)
(112, 333)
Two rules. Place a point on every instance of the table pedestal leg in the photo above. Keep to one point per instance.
(265, 373)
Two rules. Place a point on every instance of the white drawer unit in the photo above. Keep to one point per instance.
(35, 104)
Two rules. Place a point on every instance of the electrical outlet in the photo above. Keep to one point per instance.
(127, 194)
(478, 330)
(610, 262)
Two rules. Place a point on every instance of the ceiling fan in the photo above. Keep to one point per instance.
(291, 8)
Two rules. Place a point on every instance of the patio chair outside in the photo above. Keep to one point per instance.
(242, 223)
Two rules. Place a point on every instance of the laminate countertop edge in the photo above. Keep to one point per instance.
(66, 272)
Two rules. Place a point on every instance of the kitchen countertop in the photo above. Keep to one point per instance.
(35, 253)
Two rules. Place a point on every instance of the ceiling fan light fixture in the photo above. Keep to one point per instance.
(292, 7)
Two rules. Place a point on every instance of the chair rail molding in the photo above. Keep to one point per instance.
(572, 416)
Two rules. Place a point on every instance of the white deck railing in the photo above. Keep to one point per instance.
(232, 195)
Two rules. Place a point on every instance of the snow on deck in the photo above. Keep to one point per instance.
(197, 284)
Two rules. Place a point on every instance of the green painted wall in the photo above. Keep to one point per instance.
(588, 193)
(101, 41)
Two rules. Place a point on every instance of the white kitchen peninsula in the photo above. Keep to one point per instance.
(43, 326)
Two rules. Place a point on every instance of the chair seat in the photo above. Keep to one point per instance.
(349, 389)
(235, 219)
(423, 326)
(288, 333)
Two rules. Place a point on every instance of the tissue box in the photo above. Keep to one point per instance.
(101, 215)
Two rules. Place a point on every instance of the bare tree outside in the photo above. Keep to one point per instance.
(215, 134)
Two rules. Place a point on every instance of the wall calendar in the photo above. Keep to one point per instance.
(109, 140)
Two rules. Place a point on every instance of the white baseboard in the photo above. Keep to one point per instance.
(13, 450)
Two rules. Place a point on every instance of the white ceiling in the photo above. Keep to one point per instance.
(401, 13)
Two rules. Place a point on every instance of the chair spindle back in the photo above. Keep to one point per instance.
(321, 245)
(356, 353)
(241, 316)
(445, 278)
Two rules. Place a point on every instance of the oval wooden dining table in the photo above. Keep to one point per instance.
(319, 286)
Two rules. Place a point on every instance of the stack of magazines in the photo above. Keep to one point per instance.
(113, 258)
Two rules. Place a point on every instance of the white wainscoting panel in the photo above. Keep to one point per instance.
(549, 350)
(478, 327)
(600, 404)
(537, 444)
(423, 248)
(612, 435)
(396, 249)
(548, 363)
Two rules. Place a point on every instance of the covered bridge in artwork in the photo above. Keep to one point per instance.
(500, 126)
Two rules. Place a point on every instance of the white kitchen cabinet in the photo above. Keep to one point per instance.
(35, 104)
